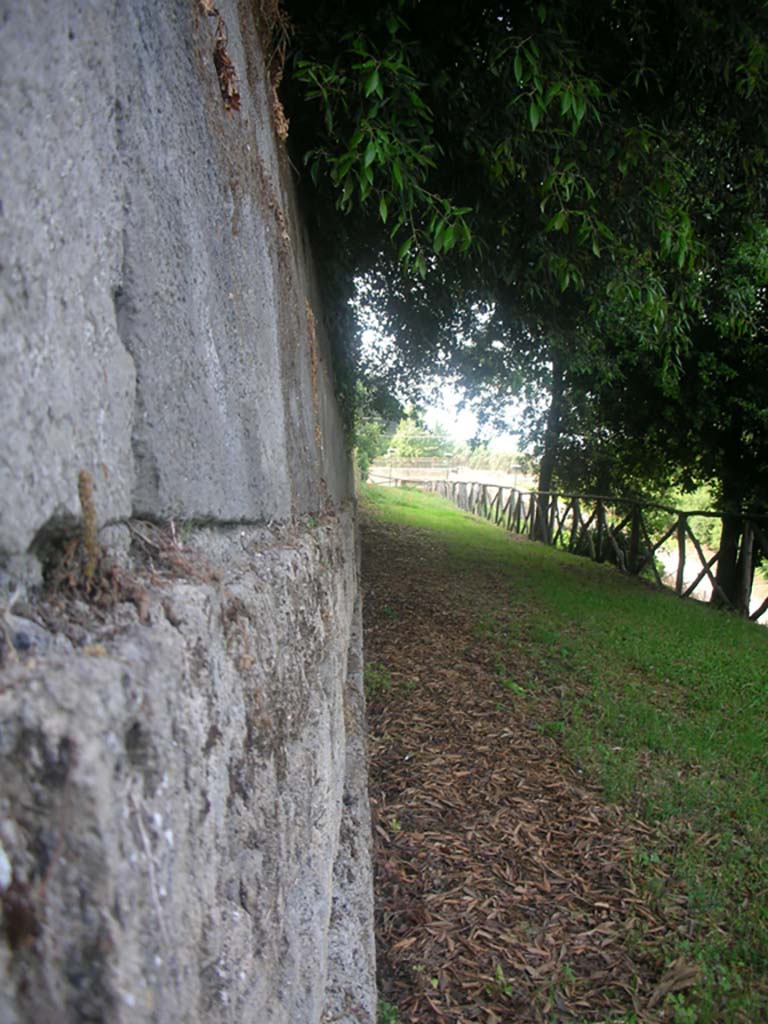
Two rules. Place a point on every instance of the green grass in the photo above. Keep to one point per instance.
(376, 679)
(387, 1014)
(662, 701)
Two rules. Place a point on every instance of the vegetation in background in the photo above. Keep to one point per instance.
(420, 443)
(413, 439)
(482, 457)
(370, 412)
(660, 700)
(370, 442)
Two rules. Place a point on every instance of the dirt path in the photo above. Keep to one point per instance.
(504, 889)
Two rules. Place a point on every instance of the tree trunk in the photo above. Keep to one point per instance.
(551, 439)
(726, 592)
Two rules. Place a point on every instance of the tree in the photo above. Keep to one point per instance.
(413, 439)
(706, 424)
(583, 149)
(547, 194)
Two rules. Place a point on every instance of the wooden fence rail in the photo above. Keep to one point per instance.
(623, 531)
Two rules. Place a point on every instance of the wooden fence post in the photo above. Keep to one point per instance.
(553, 499)
(745, 569)
(600, 531)
(507, 514)
(633, 561)
(680, 581)
(573, 546)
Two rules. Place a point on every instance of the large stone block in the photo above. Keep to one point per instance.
(156, 323)
(203, 280)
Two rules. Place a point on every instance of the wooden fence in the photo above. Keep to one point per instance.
(625, 532)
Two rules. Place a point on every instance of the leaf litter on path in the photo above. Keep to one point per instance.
(503, 884)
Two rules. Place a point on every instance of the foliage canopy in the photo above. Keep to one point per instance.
(564, 195)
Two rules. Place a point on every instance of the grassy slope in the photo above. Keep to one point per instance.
(661, 700)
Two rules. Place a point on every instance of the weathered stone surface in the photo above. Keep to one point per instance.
(66, 381)
(185, 807)
(184, 832)
(154, 288)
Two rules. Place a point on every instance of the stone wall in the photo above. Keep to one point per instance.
(184, 830)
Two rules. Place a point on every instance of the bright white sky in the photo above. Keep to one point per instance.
(461, 425)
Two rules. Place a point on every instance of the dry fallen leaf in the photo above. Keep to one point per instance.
(680, 975)
(225, 70)
(508, 879)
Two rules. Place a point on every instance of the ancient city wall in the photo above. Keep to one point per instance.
(184, 831)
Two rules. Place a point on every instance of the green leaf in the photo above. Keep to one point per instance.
(372, 83)
(551, 92)
(534, 115)
(439, 235)
(343, 167)
(405, 248)
(370, 154)
(383, 209)
(397, 174)
(518, 68)
(357, 44)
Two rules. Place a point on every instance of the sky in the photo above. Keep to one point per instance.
(460, 424)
